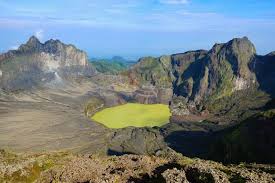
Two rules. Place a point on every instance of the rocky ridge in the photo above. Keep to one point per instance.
(201, 78)
(34, 63)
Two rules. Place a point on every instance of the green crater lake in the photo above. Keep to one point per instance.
(136, 115)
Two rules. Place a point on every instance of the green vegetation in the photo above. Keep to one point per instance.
(225, 81)
(27, 168)
(109, 67)
(150, 70)
(270, 114)
(137, 115)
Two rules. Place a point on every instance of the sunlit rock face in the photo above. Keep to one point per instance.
(53, 53)
(240, 84)
(35, 62)
(204, 77)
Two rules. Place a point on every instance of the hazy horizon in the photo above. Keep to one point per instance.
(137, 28)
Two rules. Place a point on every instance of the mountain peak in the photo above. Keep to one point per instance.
(237, 46)
(33, 40)
(243, 46)
(241, 40)
(32, 45)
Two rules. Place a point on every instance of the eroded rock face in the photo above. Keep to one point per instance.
(34, 63)
(153, 95)
(216, 74)
(146, 95)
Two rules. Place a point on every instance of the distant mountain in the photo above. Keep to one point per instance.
(114, 65)
(35, 63)
(119, 59)
(109, 67)
(115, 59)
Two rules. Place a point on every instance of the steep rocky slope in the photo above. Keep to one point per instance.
(201, 80)
(152, 71)
(35, 63)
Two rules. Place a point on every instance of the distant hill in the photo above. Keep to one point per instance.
(109, 67)
(115, 59)
(112, 65)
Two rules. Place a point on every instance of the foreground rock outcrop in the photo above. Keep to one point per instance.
(173, 168)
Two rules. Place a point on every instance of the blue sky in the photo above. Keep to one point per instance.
(135, 28)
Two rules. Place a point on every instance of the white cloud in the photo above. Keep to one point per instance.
(39, 34)
(15, 47)
(174, 2)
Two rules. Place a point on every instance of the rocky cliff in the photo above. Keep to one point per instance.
(201, 79)
(34, 63)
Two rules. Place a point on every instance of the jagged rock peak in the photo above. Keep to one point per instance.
(237, 45)
(244, 44)
(33, 44)
(65, 54)
(53, 42)
(33, 40)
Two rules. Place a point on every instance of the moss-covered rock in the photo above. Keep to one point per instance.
(28, 168)
(152, 71)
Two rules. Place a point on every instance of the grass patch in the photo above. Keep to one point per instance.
(136, 115)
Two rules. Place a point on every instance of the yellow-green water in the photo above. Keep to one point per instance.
(137, 115)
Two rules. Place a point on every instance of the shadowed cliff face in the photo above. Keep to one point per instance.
(35, 63)
(251, 141)
(263, 67)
